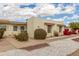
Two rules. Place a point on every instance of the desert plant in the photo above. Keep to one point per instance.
(40, 34)
(56, 33)
(23, 36)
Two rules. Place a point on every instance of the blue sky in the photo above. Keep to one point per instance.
(67, 12)
(70, 15)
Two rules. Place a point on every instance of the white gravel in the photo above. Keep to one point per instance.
(56, 48)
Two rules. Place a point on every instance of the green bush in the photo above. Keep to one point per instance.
(40, 34)
(56, 33)
(23, 36)
(1, 33)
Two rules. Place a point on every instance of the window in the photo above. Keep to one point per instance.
(22, 28)
(60, 28)
(49, 28)
(14, 28)
(3, 27)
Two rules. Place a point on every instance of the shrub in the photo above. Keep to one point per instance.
(23, 36)
(56, 33)
(1, 33)
(40, 34)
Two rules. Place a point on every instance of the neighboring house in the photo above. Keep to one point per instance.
(12, 27)
(31, 25)
(49, 26)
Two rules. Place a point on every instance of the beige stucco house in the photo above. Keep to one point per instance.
(12, 27)
(33, 23)
(49, 26)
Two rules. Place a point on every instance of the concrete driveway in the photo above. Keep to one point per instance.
(56, 48)
(5, 45)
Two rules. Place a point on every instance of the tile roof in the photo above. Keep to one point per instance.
(5, 21)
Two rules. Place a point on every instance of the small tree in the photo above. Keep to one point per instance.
(74, 25)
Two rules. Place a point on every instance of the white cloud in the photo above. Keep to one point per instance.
(73, 17)
(13, 12)
(8, 11)
(48, 9)
(69, 9)
(48, 18)
(60, 19)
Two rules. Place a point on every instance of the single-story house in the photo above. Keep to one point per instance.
(31, 25)
(12, 27)
(49, 26)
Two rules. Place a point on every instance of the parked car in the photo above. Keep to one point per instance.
(69, 32)
(73, 31)
(66, 32)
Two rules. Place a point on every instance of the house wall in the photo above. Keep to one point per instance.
(35, 23)
(10, 32)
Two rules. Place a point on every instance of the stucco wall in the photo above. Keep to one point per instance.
(10, 32)
(34, 23)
